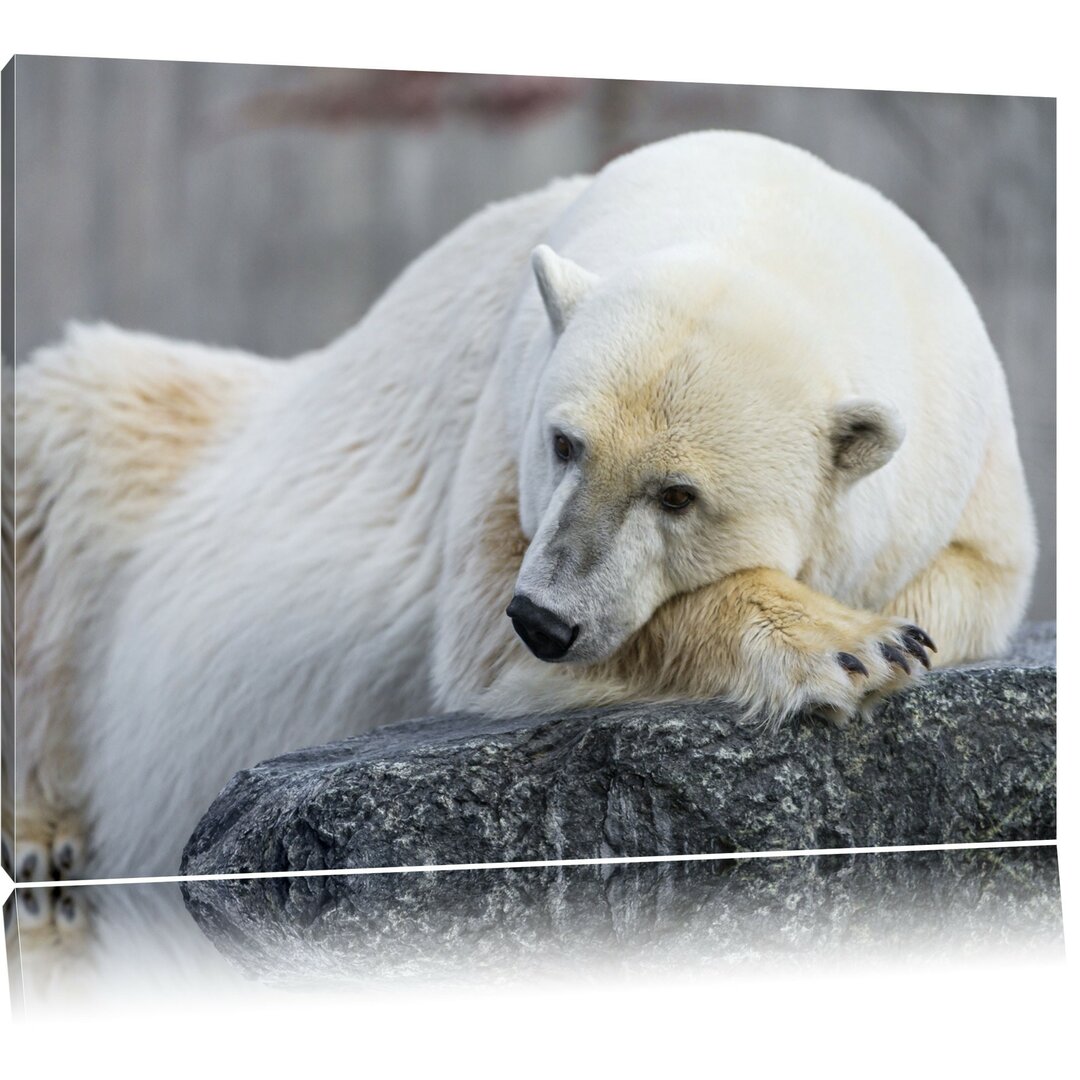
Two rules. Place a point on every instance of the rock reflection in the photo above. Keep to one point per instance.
(678, 915)
(102, 945)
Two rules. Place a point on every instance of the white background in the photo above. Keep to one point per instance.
(991, 1020)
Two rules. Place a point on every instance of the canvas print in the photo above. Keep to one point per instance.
(418, 469)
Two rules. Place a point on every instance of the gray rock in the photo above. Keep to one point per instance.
(965, 754)
(600, 919)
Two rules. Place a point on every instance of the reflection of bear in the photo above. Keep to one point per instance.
(746, 437)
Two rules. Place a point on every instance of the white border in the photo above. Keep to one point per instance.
(925, 45)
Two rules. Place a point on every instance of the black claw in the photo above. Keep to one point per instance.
(916, 650)
(65, 858)
(921, 636)
(895, 656)
(851, 663)
(66, 908)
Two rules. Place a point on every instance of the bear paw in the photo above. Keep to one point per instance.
(840, 670)
(49, 851)
(45, 914)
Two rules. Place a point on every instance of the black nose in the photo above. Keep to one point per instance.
(543, 631)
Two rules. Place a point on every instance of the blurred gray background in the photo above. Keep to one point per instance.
(267, 207)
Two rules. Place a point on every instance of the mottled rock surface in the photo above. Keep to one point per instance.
(587, 921)
(966, 754)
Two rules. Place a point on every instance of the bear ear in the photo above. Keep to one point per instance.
(563, 285)
(865, 434)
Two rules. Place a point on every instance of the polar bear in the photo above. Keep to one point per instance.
(718, 421)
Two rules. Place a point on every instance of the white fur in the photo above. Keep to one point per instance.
(317, 567)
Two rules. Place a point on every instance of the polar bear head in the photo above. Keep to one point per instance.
(686, 421)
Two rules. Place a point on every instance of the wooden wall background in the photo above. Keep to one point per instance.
(267, 207)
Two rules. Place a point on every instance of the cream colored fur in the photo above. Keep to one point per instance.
(222, 558)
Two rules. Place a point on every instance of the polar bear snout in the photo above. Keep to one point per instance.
(547, 635)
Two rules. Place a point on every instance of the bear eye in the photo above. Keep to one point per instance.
(564, 449)
(676, 499)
